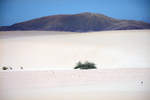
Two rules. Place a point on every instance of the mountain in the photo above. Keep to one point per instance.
(82, 22)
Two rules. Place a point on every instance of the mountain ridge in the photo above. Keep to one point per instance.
(82, 22)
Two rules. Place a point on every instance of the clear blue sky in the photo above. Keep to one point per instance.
(14, 11)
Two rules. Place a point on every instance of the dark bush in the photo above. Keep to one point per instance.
(86, 65)
(4, 68)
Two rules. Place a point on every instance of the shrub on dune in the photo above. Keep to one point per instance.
(4, 68)
(86, 65)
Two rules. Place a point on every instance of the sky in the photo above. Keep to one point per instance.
(15, 11)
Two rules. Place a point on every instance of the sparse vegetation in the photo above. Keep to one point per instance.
(86, 65)
(4, 68)
(9, 68)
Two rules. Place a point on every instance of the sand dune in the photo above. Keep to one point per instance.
(45, 49)
(108, 84)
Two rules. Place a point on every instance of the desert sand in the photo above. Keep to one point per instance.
(122, 58)
(48, 49)
(104, 84)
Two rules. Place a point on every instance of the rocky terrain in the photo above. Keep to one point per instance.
(83, 22)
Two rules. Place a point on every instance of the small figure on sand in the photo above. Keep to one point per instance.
(21, 68)
(142, 82)
(10, 68)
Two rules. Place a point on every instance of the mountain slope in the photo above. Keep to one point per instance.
(82, 22)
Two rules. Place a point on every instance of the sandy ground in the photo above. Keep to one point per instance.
(128, 50)
(104, 84)
(108, 49)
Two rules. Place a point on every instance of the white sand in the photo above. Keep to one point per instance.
(108, 84)
(45, 49)
(48, 50)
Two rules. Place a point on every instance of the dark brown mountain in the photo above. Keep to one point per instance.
(82, 22)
